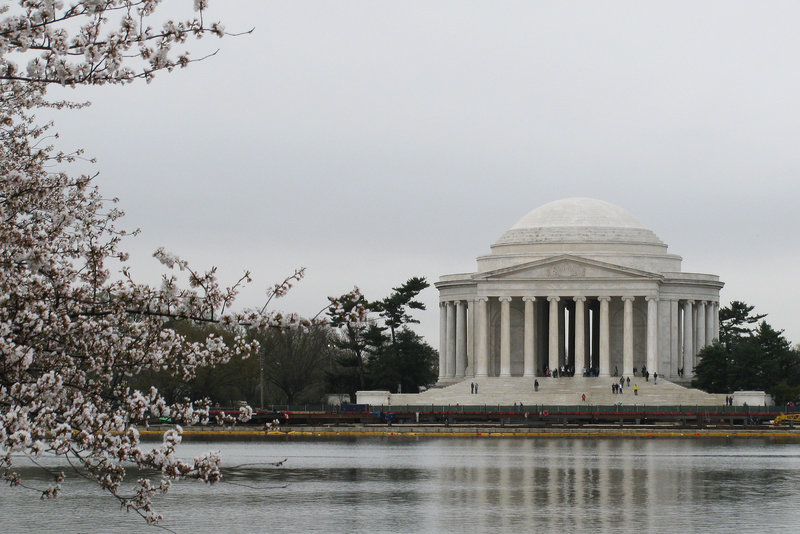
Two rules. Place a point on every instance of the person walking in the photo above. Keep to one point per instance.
(636, 389)
(655, 378)
(535, 385)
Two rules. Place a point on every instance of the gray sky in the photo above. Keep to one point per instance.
(374, 141)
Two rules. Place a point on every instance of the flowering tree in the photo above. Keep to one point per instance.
(74, 325)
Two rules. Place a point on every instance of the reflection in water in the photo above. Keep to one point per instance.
(470, 485)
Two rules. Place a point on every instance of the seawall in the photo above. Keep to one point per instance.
(474, 431)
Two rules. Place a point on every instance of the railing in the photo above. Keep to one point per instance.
(534, 408)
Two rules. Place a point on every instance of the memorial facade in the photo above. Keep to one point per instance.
(578, 284)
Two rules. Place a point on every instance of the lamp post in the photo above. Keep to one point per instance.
(261, 376)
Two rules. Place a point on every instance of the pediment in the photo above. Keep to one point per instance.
(566, 267)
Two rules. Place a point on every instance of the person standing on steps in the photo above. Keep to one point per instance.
(535, 385)
(655, 378)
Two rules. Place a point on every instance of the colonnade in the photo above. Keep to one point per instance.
(465, 326)
(699, 327)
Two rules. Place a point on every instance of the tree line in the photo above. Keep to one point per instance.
(749, 355)
(300, 364)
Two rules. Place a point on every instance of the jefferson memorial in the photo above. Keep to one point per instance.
(576, 284)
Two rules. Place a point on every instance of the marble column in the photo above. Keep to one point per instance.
(674, 337)
(451, 339)
(605, 350)
(710, 323)
(482, 341)
(688, 338)
(627, 336)
(652, 334)
(461, 338)
(701, 325)
(596, 335)
(587, 336)
(529, 344)
(442, 340)
(562, 354)
(570, 358)
(579, 340)
(553, 338)
(505, 336)
(716, 321)
(471, 308)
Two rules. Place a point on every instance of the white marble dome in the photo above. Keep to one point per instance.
(579, 220)
(585, 227)
(578, 212)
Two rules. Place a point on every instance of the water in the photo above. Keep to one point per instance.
(455, 485)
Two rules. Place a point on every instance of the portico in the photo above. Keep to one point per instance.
(578, 285)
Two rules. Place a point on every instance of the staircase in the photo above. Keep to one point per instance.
(560, 391)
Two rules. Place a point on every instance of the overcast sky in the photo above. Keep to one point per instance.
(374, 141)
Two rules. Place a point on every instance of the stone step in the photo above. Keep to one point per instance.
(560, 391)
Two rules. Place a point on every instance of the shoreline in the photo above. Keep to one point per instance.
(478, 431)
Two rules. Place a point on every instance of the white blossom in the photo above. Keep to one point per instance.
(74, 325)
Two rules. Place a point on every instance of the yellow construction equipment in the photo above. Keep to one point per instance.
(787, 419)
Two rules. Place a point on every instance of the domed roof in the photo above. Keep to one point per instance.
(579, 220)
(578, 212)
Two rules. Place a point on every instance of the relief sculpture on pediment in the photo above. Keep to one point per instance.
(568, 270)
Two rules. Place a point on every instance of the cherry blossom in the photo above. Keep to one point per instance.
(74, 324)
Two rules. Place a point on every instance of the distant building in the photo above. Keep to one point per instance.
(580, 284)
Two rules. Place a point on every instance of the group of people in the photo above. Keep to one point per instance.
(564, 370)
(728, 400)
(645, 374)
(568, 370)
(618, 387)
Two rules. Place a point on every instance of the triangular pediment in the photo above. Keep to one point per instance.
(565, 267)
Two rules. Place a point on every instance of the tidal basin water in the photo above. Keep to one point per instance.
(512, 485)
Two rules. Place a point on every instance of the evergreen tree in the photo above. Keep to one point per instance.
(405, 367)
(395, 308)
(388, 356)
(736, 321)
(713, 370)
(751, 355)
